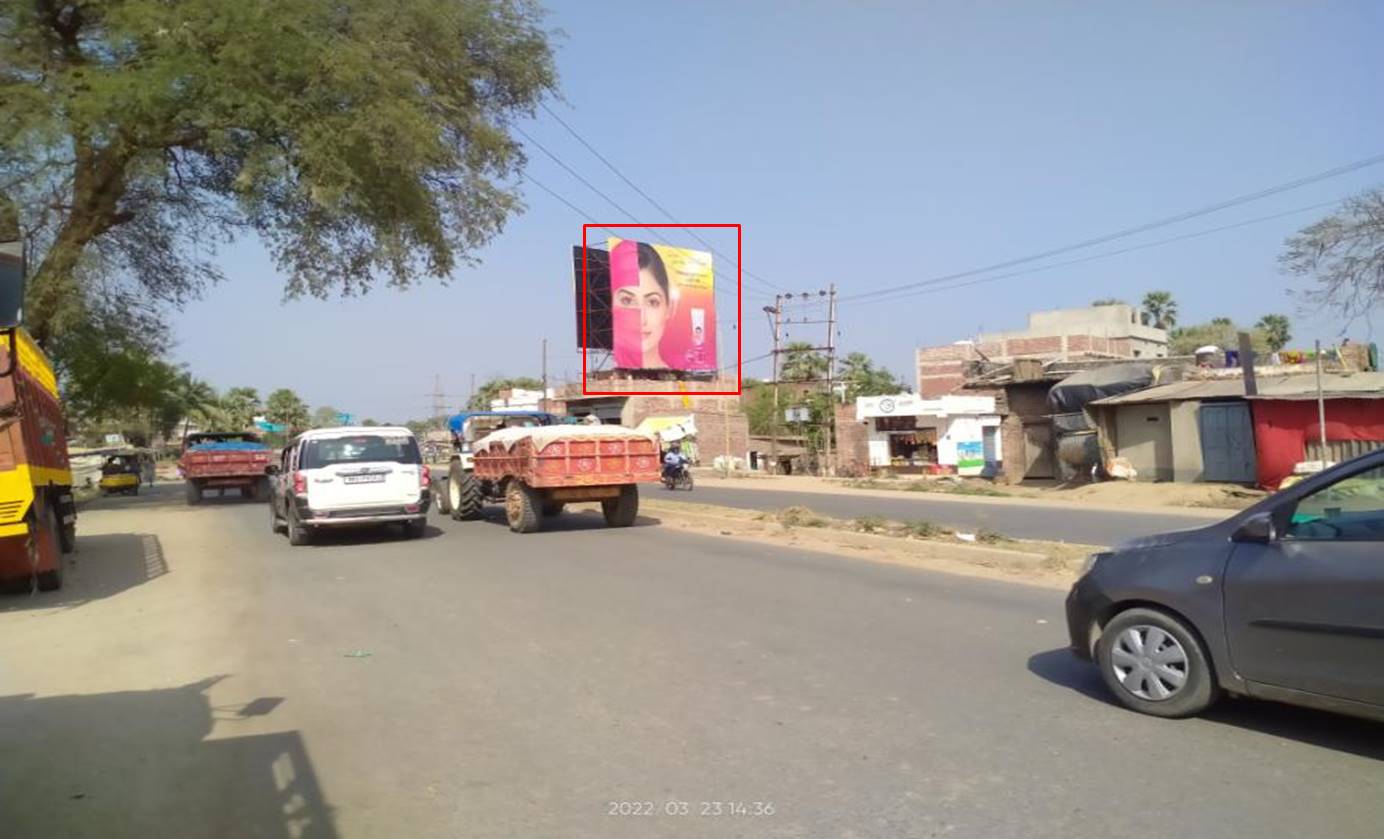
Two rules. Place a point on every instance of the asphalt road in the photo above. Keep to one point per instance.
(1020, 521)
(200, 678)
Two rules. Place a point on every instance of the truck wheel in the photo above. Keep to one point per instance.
(67, 533)
(464, 493)
(441, 497)
(553, 508)
(49, 526)
(621, 512)
(298, 533)
(522, 507)
(194, 493)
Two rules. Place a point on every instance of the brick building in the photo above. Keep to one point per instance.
(1093, 332)
(722, 427)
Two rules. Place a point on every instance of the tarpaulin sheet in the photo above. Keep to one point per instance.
(1072, 394)
(228, 446)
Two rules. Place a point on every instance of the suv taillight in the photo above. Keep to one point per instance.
(424, 476)
(300, 483)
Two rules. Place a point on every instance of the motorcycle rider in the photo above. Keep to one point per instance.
(674, 461)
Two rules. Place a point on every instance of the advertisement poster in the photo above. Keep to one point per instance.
(663, 307)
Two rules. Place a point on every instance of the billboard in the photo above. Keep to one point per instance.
(596, 306)
(663, 307)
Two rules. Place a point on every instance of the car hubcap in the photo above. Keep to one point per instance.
(1149, 662)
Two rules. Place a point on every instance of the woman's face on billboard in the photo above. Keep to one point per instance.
(652, 303)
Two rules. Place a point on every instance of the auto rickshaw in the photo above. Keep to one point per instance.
(122, 473)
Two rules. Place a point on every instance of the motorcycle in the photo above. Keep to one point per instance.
(681, 479)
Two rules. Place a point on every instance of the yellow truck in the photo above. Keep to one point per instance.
(38, 516)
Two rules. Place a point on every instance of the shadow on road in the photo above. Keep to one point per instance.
(166, 494)
(328, 537)
(103, 565)
(1316, 728)
(569, 521)
(139, 764)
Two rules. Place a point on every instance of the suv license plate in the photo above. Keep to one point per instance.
(363, 479)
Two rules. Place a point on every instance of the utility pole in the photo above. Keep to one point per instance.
(439, 404)
(1321, 407)
(777, 313)
(543, 397)
(831, 376)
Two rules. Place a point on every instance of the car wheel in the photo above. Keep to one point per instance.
(1155, 664)
(415, 528)
(298, 533)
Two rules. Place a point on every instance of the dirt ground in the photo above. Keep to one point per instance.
(1048, 564)
(1113, 495)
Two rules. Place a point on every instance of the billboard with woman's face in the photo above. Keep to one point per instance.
(663, 307)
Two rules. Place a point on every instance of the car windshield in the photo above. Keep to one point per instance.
(361, 448)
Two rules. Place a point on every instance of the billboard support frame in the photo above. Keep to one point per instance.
(739, 306)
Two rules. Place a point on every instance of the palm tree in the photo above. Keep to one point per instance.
(1160, 309)
(1277, 331)
(803, 363)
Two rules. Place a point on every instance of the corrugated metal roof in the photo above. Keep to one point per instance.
(1334, 386)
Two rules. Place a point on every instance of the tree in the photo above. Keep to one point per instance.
(369, 423)
(757, 402)
(198, 403)
(802, 363)
(241, 405)
(1222, 322)
(863, 378)
(1277, 331)
(1160, 309)
(481, 399)
(1108, 301)
(283, 407)
(360, 139)
(1344, 252)
(1187, 340)
(325, 417)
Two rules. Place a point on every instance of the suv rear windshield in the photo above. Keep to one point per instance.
(362, 448)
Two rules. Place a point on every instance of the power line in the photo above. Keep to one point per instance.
(1102, 255)
(664, 210)
(1131, 231)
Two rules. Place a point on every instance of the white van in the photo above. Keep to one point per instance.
(355, 475)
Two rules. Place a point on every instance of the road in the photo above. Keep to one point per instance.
(200, 678)
(1017, 520)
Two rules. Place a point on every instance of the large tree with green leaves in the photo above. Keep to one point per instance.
(863, 378)
(802, 363)
(1344, 253)
(1278, 331)
(1222, 333)
(362, 140)
(286, 408)
(241, 405)
(326, 417)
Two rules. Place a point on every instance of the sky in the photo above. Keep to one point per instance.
(867, 145)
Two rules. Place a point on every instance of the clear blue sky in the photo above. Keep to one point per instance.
(869, 144)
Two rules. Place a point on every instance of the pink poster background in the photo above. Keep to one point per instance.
(689, 307)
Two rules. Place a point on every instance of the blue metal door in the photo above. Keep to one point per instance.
(1227, 442)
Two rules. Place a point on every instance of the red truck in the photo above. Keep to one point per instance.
(222, 461)
(538, 470)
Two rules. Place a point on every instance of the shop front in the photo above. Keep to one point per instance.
(908, 434)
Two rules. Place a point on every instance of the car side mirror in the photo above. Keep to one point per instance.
(271, 469)
(1257, 528)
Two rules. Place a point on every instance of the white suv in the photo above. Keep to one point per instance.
(338, 477)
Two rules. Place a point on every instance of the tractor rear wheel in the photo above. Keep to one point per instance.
(464, 493)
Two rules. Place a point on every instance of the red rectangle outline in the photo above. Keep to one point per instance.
(739, 319)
